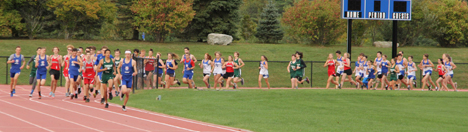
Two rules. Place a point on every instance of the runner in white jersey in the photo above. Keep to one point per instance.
(357, 70)
(449, 66)
(364, 74)
(377, 62)
(411, 73)
(263, 72)
(206, 65)
(340, 66)
(401, 63)
(217, 70)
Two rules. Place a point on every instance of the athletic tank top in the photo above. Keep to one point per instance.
(340, 63)
(169, 64)
(345, 62)
(109, 66)
(384, 66)
(117, 63)
(149, 66)
(66, 66)
(55, 62)
(160, 70)
(42, 65)
(401, 67)
(331, 65)
(263, 70)
(89, 72)
(73, 68)
(15, 66)
(236, 61)
(206, 66)
(378, 62)
(427, 68)
(229, 67)
(364, 67)
(217, 66)
(392, 70)
(292, 66)
(440, 69)
(371, 72)
(188, 63)
(127, 68)
(411, 68)
(448, 66)
(33, 69)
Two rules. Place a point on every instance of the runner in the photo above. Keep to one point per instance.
(75, 63)
(449, 67)
(426, 65)
(411, 72)
(127, 69)
(441, 70)
(171, 66)
(371, 75)
(79, 81)
(377, 64)
(32, 75)
(89, 72)
(263, 72)
(17, 64)
(149, 68)
(364, 73)
(393, 74)
(384, 65)
(98, 79)
(41, 73)
(402, 64)
(140, 72)
(330, 63)
(454, 84)
(292, 71)
(301, 72)
(65, 64)
(158, 71)
(189, 65)
(117, 78)
(192, 57)
(230, 66)
(347, 70)
(206, 65)
(238, 71)
(357, 70)
(217, 70)
(107, 68)
(339, 67)
(55, 61)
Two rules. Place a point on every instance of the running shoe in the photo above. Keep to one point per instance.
(79, 90)
(84, 98)
(11, 94)
(76, 96)
(178, 83)
(409, 88)
(110, 96)
(53, 95)
(123, 108)
(66, 94)
(415, 84)
(14, 91)
(222, 83)
(339, 86)
(386, 87)
(107, 105)
(242, 81)
(121, 97)
(102, 100)
(430, 87)
(209, 86)
(235, 86)
(307, 80)
(39, 97)
(87, 100)
(437, 89)
(30, 95)
(50, 94)
(116, 93)
(456, 85)
(297, 87)
(71, 96)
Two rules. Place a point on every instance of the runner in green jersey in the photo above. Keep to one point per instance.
(107, 67)
(292, 71)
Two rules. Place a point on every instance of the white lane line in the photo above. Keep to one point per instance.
(185, 120)
(90, 116)
(51, 116)
(132, 116)
(25, 121)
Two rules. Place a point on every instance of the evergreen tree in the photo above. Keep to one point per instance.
(269, 29)
(248, 27)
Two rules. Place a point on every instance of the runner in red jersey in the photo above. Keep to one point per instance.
(229, 66)
(54, 71)
(441, 70)
(330, 63)
(347, 70)
(88, 74)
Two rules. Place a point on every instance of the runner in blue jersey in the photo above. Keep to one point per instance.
(75, 63)
(189, 65)
(171, 66)
(127, 69)
(42, 66)
(158, 70)
(17, 64)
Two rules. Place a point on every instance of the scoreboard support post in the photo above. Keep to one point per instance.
(394, 38)
(350, 36)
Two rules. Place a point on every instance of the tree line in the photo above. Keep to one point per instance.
(434, 22)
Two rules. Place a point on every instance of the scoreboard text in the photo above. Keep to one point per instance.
(376, 9)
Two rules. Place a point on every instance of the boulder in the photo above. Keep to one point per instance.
(219, 39)
(384, 44)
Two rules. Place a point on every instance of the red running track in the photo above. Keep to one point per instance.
(21, 113)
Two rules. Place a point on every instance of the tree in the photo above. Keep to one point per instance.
(269, 29)
(86, 16)
(247, 27)
(318, 21)
(213, 16)
(452, 16)
(162, 16)
(9, 20)
(33, 12)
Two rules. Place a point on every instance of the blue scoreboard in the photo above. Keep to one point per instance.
(376, 9)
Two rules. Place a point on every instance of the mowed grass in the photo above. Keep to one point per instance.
(248, 52)
(313, 110)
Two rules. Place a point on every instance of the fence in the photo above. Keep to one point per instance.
(279, 77)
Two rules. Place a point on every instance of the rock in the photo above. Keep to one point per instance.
(219, 39)
(384, 44)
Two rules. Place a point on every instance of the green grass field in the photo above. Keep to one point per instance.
(248, 52)
(313, 110)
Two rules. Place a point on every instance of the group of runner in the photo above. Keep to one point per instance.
(390, 74)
